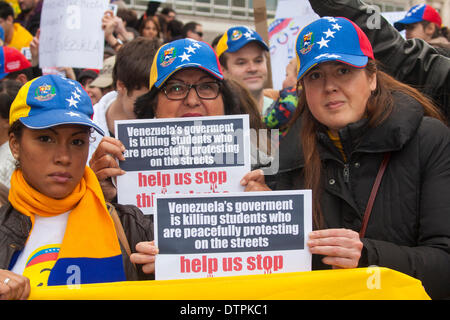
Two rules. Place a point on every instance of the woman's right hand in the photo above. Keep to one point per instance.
(13, 286)
(254, 181)
(103, 163)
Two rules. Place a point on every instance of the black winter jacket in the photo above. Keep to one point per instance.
(411, 61)
(409, 229)
(15, 227)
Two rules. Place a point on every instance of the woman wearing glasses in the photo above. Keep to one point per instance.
(185, 81)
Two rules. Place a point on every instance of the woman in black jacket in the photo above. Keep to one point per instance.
(412, 61)
(350, 117)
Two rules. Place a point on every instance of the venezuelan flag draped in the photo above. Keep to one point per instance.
(347, 284)
(90, 247)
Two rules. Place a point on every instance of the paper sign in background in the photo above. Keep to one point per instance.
(182, 156)
(71, 33)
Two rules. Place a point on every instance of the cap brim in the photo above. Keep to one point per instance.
(400, 25)
(351, 60)
(59, 117)
(215, 74)
(239, 47)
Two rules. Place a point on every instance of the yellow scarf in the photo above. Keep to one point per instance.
(337, 142)
(90, 241)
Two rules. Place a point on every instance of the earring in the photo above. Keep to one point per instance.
(16, 162)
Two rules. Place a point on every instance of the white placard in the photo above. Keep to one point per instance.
(182, 156)
(232, 234)
(71, 33)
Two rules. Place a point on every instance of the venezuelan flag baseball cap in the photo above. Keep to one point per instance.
(12, 60)
(332, 39)
(237, 37)
(52, 100)
(420, 12)
(180, 54)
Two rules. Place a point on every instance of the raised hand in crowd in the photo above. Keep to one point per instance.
(34, 49)
(115, 32)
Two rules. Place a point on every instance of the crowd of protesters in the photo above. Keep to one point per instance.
(357, 104)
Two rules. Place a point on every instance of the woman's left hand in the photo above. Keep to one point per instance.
(341, 247)
(146, 254)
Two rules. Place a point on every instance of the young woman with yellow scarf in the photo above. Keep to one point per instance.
(56, 228)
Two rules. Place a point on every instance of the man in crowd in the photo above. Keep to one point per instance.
(30, 15)
(130, 78)
(243, 55)
(15, 35)
(193, 30)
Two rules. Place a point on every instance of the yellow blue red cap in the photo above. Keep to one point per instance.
(52, 100)
(237, 37)
(332, 39)
(417, 13)
(180, 54)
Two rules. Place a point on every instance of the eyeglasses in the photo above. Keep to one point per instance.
(180, 90)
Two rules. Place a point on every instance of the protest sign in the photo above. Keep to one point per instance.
(185, 155)
(71, 33)
(232, 234)
(291, 16)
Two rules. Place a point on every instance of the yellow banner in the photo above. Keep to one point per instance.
(348, 284)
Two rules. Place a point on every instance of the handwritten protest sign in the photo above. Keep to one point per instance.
(71, 33)
(233, 234)
(186, 156)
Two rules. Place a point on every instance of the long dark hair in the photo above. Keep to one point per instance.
(379, 107)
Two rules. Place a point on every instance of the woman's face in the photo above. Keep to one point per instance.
(417, 30)
(192, 105)
(150, 31)
(52, 160)
(337, 93)
(94, 93)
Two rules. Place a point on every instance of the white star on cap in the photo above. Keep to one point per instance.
(78, 89)
(321, 56)
(185, 56)
(323, 43)
(73, 114)
(330, 19)
(329, 33)
(72, 102)
(337, 27)
(197, 45)
(248, 35)
(334, 56)
(327, 55)
(76, 95)
(190, 49)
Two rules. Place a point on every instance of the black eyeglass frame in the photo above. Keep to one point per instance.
(189, 87)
